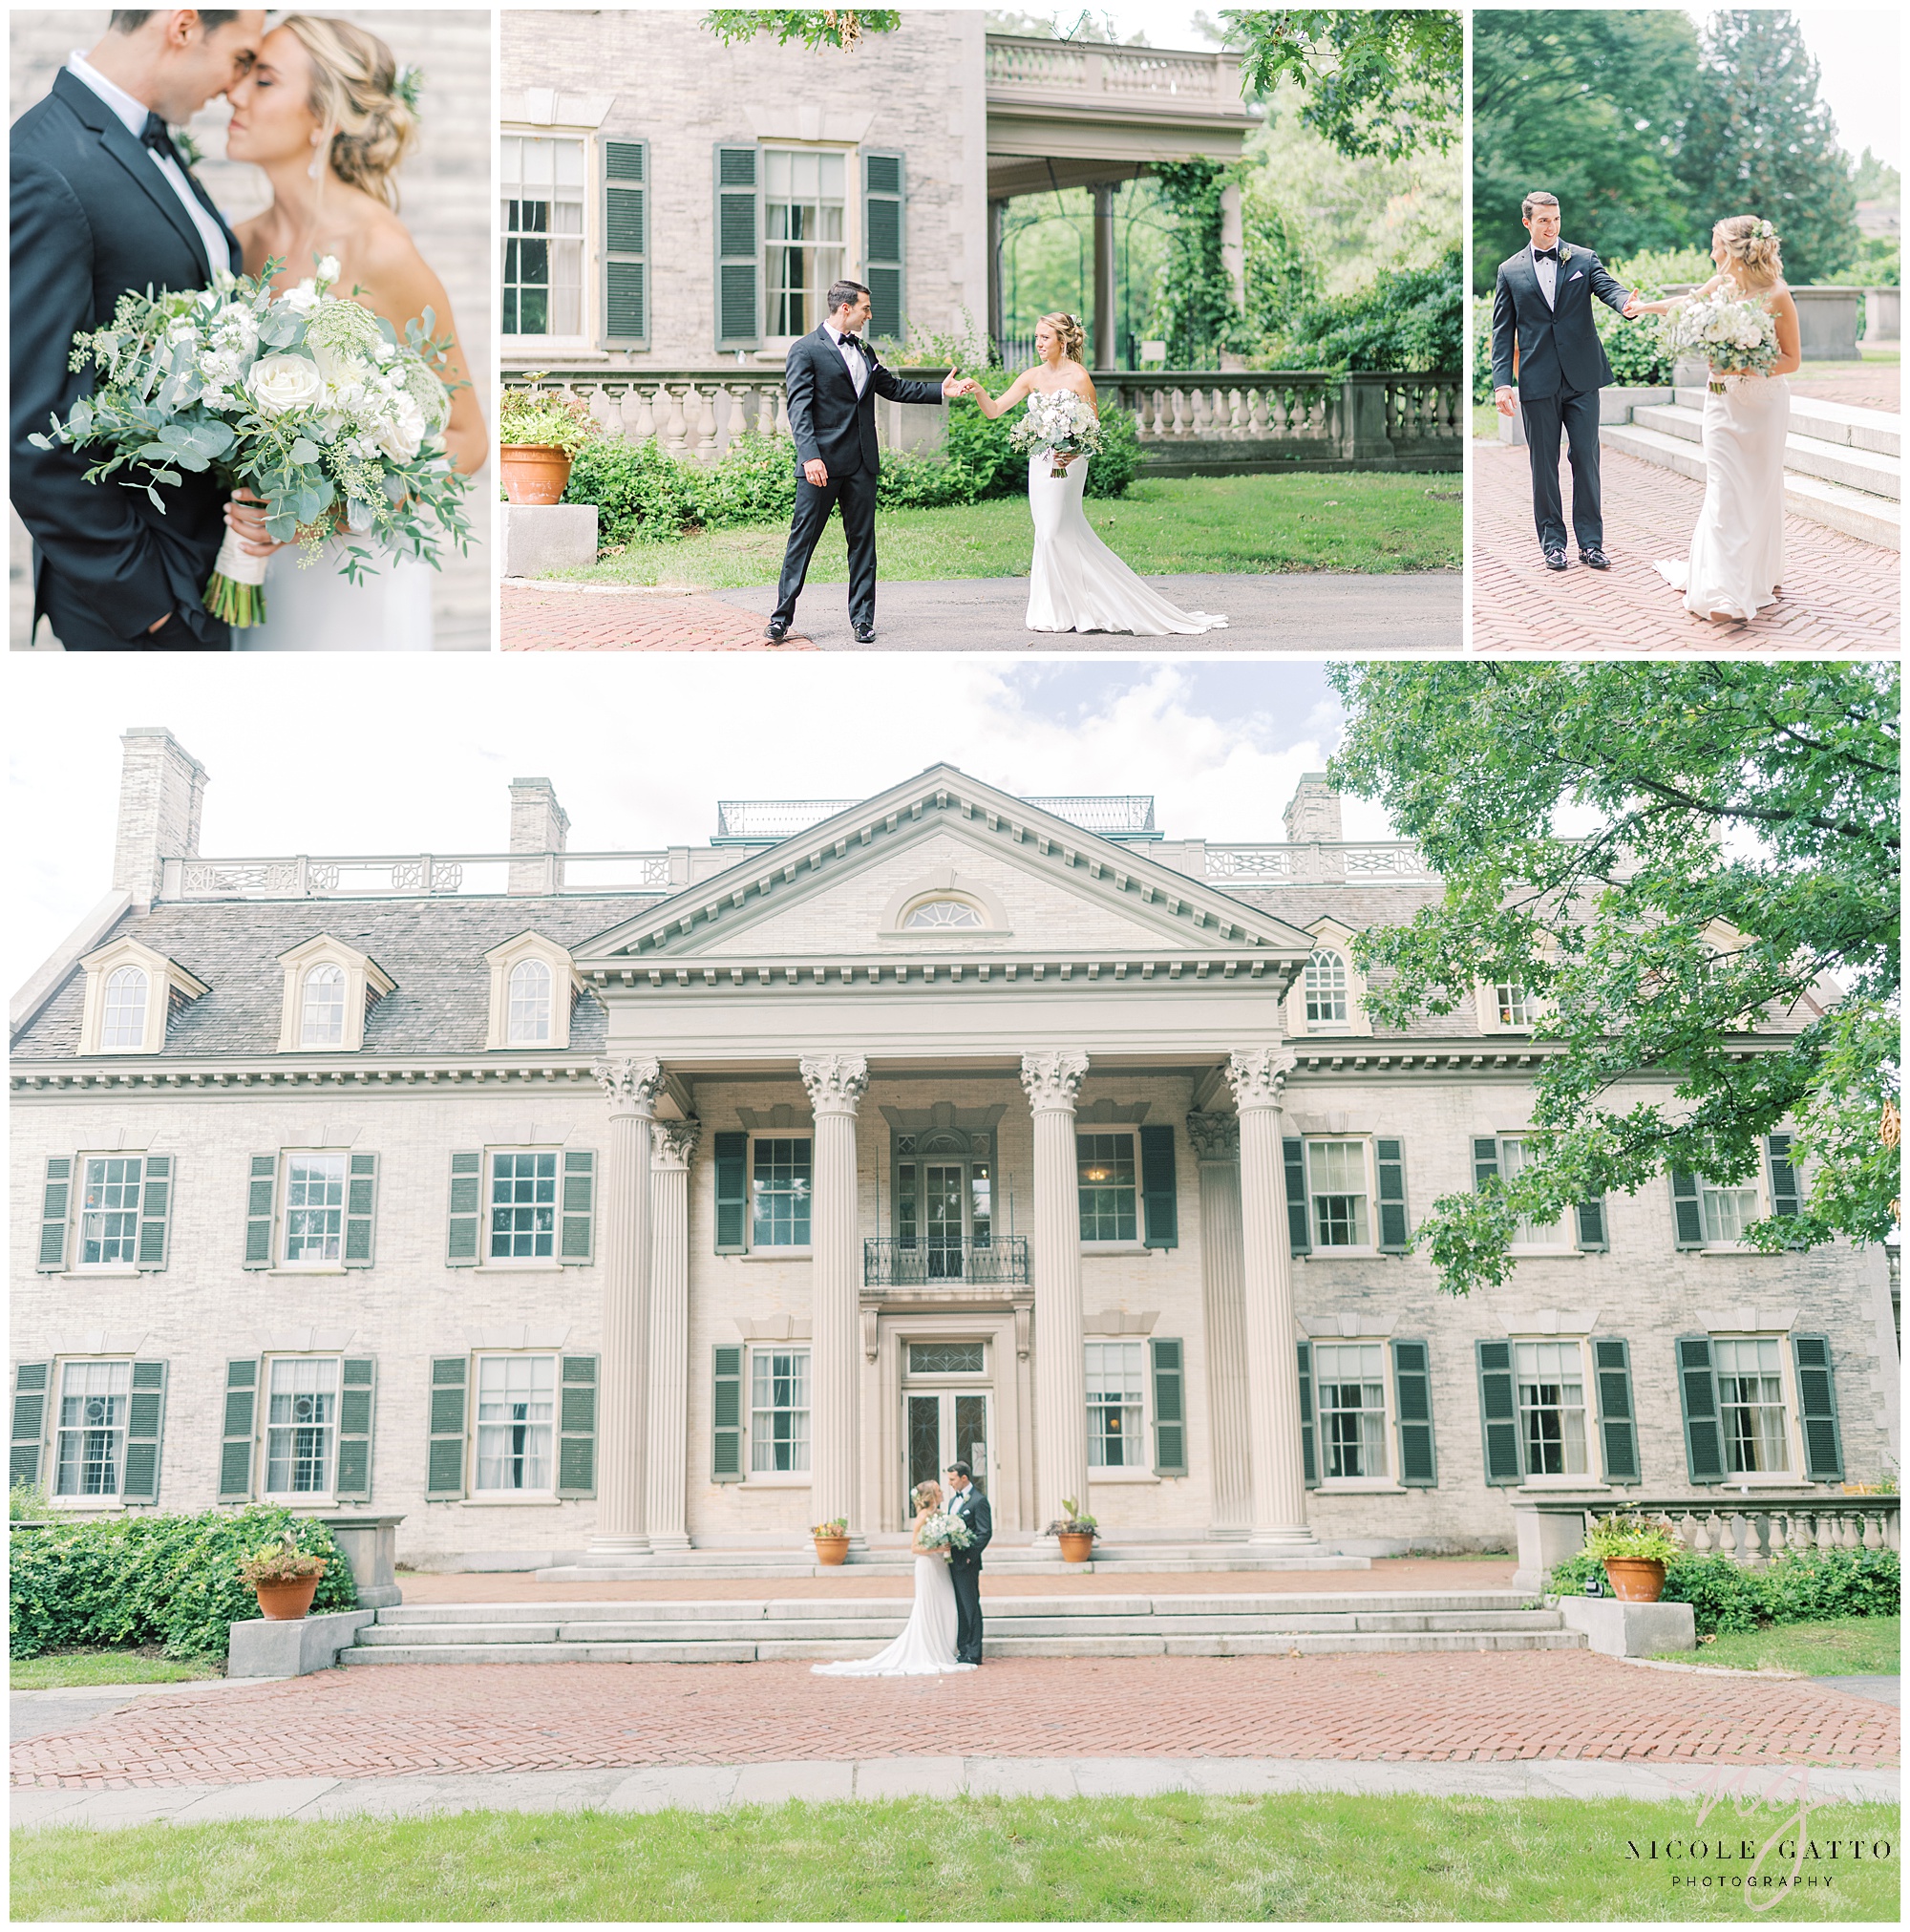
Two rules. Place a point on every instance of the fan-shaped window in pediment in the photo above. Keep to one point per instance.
(943, 912)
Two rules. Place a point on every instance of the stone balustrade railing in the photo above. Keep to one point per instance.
(414, 875)
(1314, 864)
(1081, 74)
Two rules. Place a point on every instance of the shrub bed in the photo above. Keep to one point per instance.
(1788, 1589)
(166, 1579)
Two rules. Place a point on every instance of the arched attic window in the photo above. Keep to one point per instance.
(528, 1023)
(1325, 986)
(322, 1007)
(123, 1022)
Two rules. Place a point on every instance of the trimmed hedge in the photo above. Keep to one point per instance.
(137, 1579)
(1788, 1589)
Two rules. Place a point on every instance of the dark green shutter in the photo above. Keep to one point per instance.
(242, 1408)
(1485, 1161)
(1298, 1238)
(625, 235)
(1785, 1202)
(732, 1192)
(1413, 1397)
(1389, 1158)
(739, 229)
(1170, 1411)
(145, 1426)
(1684, 1208)
(358, 1377)
(725, 1414)
(30, 1418)
(361, 1210)
(156, 1211)
(1698, 1398)
(444, 1473)
(1498, 1410)
(1309, 1459)
(467, 1203)
(1617, 1423)
(1591, 1227)
(1817, 1408)
(882, 242)
(261, 1192)
(577, 1428)
(580, 1197)
(56, 1211)
(1159, 1213)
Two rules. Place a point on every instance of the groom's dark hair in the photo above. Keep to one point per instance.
(842, 294)
(131, 23)
(962, 1470)
(1539, 197)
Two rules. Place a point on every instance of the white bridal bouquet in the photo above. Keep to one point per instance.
(1061, 422)
(306, 398)
(946, 1533)
(1736, 337)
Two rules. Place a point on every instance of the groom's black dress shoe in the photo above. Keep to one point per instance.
(778, 630)
(1595, 559)
(1555, 560)
(865, 633)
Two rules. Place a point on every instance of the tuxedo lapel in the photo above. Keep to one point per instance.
(134, 157)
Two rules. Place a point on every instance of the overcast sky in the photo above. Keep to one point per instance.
(373, 754)
(1859, 56)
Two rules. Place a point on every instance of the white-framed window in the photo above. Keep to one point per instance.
(530, 1004)
(1513, 1004)
(300, 1425)
(934, 914)
(1551, 1379)
(517, 1410)
(1518, 1152)
(1750, 1395)
(322, 1007)
(1349, 1396)
(1105, 1179)
(1339, 1189)
(544, 221)
(314, 1208)
(781, 1190)
(109, 1210)
(1325, 989)
(524, 1206)
(778, 1412)
(805, 236)
(1116, 1376)
(90, 1456)
(1727, 1208)
(123, 1024)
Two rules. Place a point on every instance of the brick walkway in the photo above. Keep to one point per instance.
(1840, 596)
(411, 1719)
(1878, 385)
(629, 620)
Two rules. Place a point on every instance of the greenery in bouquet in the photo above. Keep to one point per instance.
(1062, 423)
(1736, 337)
(945, 1532)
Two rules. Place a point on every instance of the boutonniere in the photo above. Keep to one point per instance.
(188, 149)
(1564, 254)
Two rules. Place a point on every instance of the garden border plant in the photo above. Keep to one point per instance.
(1791, 1588)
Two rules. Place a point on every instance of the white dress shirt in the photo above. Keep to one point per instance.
(218, 251)
(1547, 273)
(852, 361)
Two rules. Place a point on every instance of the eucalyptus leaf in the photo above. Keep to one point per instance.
(305, 452)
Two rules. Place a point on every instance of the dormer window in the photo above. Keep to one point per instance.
(131, 992)
(329, 988)
(1328, 995)
(123, 1028)
(1514, 1003)
(1325, 986)
(322, 1015)
(532, 988)
(529, 1018)
(943, 912)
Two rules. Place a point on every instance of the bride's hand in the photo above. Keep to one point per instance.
(249, 525)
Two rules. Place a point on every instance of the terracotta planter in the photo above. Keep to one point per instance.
(532, 473)
(1636, 1579)
(832, 1549)
(1075, 1546)
(285, 1602)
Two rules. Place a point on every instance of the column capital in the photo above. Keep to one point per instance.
(630, 1084)
(835, 1082)
(1052, 1080)
(673, 1142)
(1259, 1075)
(1216, 1136)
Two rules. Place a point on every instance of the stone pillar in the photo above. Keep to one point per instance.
(1233, 259)
(1107, 313)
(540, 826)
(1052, 1080)
(1279, 1483)
(997, 219)
(161, 799)
(1216, 1144)
(835, 1084)
(621, 1395)
(664, 1471)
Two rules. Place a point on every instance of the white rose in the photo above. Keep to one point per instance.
(328, 268)
(303, 299)
(341, 370)
(399, 434)
(282, 383)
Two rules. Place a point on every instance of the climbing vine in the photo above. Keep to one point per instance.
(1193, 304)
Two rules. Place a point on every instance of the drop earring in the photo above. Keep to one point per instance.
(318, 159)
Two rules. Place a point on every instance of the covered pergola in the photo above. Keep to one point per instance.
(1068, 115)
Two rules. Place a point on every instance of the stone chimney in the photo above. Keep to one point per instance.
(1313, 811)
(161, 795)
(538, 824)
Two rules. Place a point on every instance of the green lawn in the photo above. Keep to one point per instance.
(1359, 521)
(1173, 1857)
(62, 1669)
(1851, 1647)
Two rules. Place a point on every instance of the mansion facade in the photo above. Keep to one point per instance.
(575, 1206)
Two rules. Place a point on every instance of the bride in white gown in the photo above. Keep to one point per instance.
(326, 115)
(1076, 583)
(926, 1646)
(1735, 564)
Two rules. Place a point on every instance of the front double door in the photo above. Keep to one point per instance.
(944, 1426)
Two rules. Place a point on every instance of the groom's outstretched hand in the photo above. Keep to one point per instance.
(1633, 309)
(954, 385)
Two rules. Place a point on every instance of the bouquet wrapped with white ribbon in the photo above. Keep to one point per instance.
(1736, 337)
(1060, 422)
(306, 398)
(946, 1533)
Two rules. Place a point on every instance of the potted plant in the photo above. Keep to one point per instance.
(1634, 1552)
(284, 1577)
(1077, 1531)
(832, 1540)
(538, 434)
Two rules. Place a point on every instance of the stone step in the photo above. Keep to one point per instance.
(700, 1563)
(1878, 473)
(1831, 422)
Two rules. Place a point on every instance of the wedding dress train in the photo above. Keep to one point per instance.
(310, 607)
(1736, 560)
(1077, 583)
(926, 1646)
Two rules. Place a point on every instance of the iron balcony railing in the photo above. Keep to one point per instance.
(921, 1261)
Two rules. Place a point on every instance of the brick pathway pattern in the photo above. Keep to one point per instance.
(1441, 1707)
(1878, 385)
(1841, 596)
(633, 620)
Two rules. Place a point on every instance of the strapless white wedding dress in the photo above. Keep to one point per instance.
(1737, 559)
(310, 607)
(926, 1646)
(1077, 583)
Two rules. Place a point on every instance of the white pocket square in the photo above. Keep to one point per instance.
(1577, 275)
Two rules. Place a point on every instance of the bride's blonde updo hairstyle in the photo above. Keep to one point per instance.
(355, 83)
(1751, 249)
(1074, 337)
(927, 1495)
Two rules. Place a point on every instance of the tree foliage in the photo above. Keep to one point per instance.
(1193, 304)
(813, 26)
(1729, 929)
(1409, 318)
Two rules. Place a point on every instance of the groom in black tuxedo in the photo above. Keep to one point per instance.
(965, 1566)
(104, 203)
(833, 379)
(1545, 341)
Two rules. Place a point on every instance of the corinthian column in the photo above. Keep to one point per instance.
(1052, 1080)
(1279, 1482)
(835, 1084)
(1217, 1143)
(673, 1144)
(631, 1085)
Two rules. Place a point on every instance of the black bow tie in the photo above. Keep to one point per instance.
(1545, 254)
(854, 342)
(156, 138)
